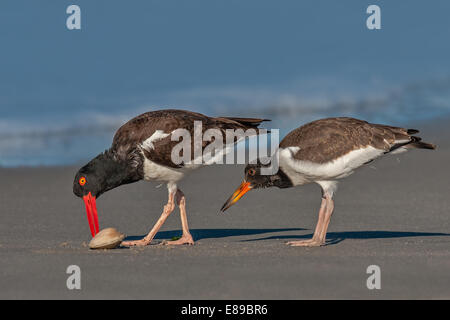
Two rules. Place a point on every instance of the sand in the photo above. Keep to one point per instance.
(393, 213)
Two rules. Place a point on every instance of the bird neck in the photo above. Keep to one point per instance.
(281, 180)
(114, 172)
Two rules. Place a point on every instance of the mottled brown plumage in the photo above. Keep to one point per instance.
(328, 139)
(323, 152)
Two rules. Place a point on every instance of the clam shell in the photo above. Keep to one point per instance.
(108, 238)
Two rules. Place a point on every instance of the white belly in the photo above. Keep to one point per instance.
(301, 172)
(154, 171)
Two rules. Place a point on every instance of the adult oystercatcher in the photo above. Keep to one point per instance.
(325, 151)
(142, 150)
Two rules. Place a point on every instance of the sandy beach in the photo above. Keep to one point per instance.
(394, 213)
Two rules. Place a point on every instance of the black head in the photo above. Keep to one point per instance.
(259, 178)
(101, 174)
(86, 182)
(92, 177)
(255, 177)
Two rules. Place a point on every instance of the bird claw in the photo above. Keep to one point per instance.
(183, 240)
(135, 243)
(306, 243)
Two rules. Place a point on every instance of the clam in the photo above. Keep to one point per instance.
(108, 238)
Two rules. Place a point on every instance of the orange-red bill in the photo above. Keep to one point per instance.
(91, 210)
(243, 189)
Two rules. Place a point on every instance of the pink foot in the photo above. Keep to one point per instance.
(185, 239)
(135, 243)
(306, 243)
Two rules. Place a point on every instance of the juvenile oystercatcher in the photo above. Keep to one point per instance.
(142, 150)
(323, 152)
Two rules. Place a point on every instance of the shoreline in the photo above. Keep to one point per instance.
(429, 125)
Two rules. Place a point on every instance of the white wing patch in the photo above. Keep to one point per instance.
(157, 135)
(401, 149)
(155, 171)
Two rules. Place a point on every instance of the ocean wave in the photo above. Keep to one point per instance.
(63, 140)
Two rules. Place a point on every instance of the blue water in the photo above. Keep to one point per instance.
(64, 93)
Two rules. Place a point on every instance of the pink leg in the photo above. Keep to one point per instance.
(317, 231)
(186, 238)
(325, 212)
(168, 208)
(328, 214)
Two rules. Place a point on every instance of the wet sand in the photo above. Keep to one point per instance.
(394, 213)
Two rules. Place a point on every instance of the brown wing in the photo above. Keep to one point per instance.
(327, 139)
(140, 128)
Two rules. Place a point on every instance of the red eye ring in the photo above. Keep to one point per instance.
(252, 172)
(82, 181)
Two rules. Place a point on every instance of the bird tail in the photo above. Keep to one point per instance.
(418, 144)
(414, 142)
(248, 122)
(412, 131)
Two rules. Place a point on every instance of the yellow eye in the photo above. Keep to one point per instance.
(82, 181)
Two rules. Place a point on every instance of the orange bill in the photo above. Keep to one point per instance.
(243, 189)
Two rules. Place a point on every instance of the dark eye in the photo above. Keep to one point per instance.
(82, 181)
(252, 172)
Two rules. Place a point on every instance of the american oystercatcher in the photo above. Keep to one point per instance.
(323, 152)
(142, 150)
